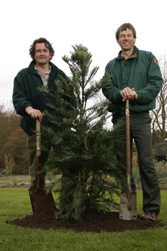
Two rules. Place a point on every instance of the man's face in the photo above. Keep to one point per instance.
(126, 40)
(42, 55)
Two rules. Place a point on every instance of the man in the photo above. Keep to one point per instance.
(29, 102)
(135, 75)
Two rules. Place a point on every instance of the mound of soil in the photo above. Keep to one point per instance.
(92, 221)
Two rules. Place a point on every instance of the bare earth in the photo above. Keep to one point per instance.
(92, 221)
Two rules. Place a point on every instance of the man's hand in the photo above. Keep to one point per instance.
(34, 113)
(128, 93)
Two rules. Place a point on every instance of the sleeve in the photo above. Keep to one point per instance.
(111, 90)
(19, 98)
(153, 84)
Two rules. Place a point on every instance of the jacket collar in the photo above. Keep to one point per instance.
(134, 54)
(31, 68)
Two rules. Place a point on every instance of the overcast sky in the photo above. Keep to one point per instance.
(69, 22)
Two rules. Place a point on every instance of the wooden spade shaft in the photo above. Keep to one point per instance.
(128, 164)
(41, 197)
(128, 209)
(38, 150)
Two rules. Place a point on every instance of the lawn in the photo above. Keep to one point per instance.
(15, 203)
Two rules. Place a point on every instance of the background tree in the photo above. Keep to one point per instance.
(13, 151)
(83, 151)
(159, 113)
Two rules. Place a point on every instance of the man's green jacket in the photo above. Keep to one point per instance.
(26, 93)
(141, 72)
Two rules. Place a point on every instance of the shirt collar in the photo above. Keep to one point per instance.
(47, 73)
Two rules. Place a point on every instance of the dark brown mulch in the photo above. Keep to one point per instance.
(92, 221)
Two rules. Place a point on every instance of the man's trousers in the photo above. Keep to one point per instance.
(140, 132)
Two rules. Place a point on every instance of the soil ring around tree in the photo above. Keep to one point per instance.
(92, 221)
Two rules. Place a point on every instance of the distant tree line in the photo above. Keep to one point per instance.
(159, 115)
(13, 150)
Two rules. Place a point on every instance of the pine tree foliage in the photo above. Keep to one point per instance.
(83, 150)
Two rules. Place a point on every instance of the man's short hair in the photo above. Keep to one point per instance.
(41, 40)
(123, 27)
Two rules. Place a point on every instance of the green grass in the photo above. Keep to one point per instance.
(15, 203)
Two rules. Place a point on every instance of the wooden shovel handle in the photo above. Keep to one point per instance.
(38, 150)
(128, 164)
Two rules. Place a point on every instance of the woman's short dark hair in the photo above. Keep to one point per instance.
(41, 40)
(123, 27)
